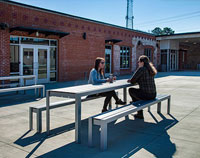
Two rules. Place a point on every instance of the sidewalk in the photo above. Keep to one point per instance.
(163, 136)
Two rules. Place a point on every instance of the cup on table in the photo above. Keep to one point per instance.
(111, 78)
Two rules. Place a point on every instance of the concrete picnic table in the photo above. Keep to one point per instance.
(77, 92)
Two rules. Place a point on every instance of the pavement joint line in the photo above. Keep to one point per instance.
(11, 144)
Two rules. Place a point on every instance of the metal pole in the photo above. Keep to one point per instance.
(78, 119)
(47, 112)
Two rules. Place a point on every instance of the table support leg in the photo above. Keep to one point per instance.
(78, 119)
(125, 94)
(47, 113)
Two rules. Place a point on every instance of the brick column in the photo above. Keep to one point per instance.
(4, 53)
(116, 59)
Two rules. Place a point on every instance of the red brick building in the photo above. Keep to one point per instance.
(60, 47)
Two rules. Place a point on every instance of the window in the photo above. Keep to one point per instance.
(53, 61)
(53, 43)
(35, 41)
(14, 40)
(147, 52)
(14, 59)
(124, 57)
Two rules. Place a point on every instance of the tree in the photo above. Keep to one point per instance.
(168, 31)
(165, 31)
(157, 31)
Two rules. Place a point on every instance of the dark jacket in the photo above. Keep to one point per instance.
(145, 80)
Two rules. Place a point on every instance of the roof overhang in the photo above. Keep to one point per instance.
(113, 41)
(47, 32)
(179, 36)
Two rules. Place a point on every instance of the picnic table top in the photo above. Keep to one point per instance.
(98, 88)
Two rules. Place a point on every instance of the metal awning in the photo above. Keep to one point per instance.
(113, 41)
(47, 32)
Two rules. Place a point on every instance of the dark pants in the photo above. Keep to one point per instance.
(138, 94)
(108, 96)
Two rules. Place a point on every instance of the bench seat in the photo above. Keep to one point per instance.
(5, 90)
(103, 119)
(39, 108)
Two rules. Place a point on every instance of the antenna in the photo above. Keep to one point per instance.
(129, 15)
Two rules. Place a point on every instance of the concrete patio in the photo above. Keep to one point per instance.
(158, 135)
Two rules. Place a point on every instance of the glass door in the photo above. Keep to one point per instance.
(108, 60)
(27, 66)
(172, 61)
(35, 61)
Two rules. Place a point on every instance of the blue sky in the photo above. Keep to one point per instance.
(180, 15)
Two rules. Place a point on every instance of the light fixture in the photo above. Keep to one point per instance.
(37, 33)
(194, 43)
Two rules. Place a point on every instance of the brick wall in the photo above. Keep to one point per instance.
(75, 55)
(4, 53)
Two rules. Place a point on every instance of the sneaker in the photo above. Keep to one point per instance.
(104, 110)
(139, 116)
(120, 102)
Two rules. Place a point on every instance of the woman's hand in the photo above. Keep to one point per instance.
(108, 79)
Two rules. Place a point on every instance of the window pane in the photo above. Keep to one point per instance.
(53, 76)
(124, 57)
(14, 59)
(128, 51)
(53, 43)
(53, 59)
(36, 41)
(42, 63)
(127, 62)
(28, 61)
(14, 40)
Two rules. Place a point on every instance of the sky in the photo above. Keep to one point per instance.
(180, 15)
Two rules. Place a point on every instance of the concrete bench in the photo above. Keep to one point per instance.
(39, 108)
(5, 90)
(103, 119)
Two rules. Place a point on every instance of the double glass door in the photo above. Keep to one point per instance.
(35, 61)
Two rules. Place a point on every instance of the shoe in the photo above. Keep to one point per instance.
(104, 110)
(139, 115)
(120, 102)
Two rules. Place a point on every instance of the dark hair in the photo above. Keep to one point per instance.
(152, 70)
(97, 62)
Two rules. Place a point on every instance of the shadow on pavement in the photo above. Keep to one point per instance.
(125, 138)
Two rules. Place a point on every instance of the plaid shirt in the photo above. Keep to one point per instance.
(145, 80)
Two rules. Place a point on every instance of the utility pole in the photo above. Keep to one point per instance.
(129, 15)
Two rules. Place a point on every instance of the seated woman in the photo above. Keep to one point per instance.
(97, 76)
(144, 76)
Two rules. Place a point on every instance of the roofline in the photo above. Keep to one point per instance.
(73, 16)
(185, 33)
